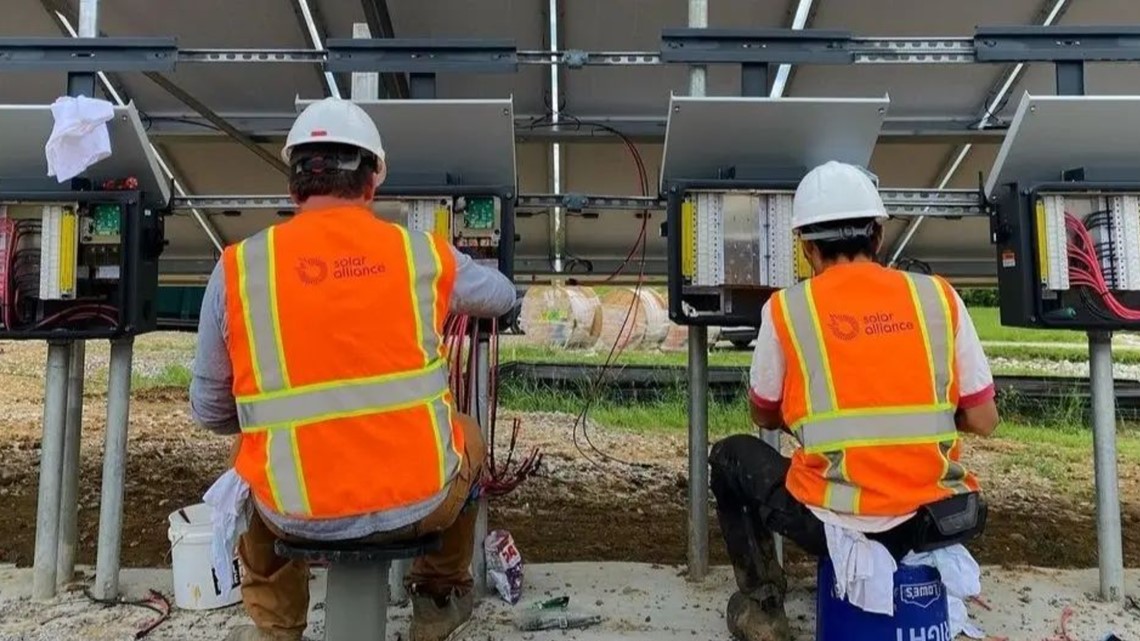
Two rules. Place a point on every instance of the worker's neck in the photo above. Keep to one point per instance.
(843, 260)
(315, 203)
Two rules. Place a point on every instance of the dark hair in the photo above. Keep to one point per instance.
(313, 171)
(849, 248)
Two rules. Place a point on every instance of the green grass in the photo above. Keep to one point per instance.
(170, 376)
(987, 320)
(532, 354)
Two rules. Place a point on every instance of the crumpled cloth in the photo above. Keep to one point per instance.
(963, 579)
(228, 499)
(865, 575)
(80, 137)
(864, 570)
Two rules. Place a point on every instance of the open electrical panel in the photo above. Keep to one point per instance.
(474, 224)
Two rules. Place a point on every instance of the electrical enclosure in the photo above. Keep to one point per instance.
(1068, 255)
(735, 248)
(78, 265)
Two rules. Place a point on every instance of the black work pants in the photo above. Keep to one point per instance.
(748, 479)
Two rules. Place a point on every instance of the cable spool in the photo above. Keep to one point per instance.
(677, 338)
(645, 325)
(559, 316)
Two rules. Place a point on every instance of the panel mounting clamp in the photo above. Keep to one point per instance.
(421, 55)
(88, 55)
(1057, 44)
(755, 46)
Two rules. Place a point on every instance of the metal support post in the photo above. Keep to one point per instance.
(421, 86)
(483, 417)
(698, 453)
(1109, 548)
(557, 213)
(365, 85)
(1070, 78)
(69, 497)
(114, 470)
(698, 552)
(754, 80)
(51, 468)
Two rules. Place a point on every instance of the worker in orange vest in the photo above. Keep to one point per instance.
(320, 343)
(874, 372)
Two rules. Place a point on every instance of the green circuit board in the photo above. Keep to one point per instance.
(480, 213)
(105, 220)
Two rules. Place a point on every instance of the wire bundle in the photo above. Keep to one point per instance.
(461, 335)
(1085, 268)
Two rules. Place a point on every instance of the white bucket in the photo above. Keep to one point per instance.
(196, 585)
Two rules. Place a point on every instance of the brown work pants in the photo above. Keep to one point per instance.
(276, 590)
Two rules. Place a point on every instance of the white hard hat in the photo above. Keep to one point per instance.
(337, 121)
(836, 191)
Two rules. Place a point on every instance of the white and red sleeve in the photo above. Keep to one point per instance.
(766, 380)
(975, 380)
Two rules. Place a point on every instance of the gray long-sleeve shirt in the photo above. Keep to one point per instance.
(479, 291)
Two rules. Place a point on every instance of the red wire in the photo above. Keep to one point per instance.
(1085, 269)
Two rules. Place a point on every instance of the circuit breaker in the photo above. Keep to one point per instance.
(1068, 255)
(82, 267)
(472, 223)
(736, 248)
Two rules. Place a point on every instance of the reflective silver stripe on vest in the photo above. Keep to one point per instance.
(449, 462)
(426, 269)
(285, 475)
(939, 331)
(262, 331)
(802, 328)
(820, 434)
(840, 495)
(347, 398)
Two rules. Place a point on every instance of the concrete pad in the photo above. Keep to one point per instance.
(640, 602)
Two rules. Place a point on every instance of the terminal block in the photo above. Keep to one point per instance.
(78, 265)
(736, 248)
(1069, 255)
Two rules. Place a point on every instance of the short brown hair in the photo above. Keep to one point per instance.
(314, 171)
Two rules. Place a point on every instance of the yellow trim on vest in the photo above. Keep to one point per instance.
(248, 317)
(438, 445)
(875, 411)
(277, 505)
(435, 294)
(799, 350)
(297, 465)
(835, 446)
(827, 377)
(411, 264)
(327, 385)
(926, 346)
(274, 313)
(951, 335)
(332, 416)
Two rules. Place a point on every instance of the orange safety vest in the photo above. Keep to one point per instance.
(335, 322)
(870, 390)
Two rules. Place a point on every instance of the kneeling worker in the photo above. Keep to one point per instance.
(320, 342)
(874, 371)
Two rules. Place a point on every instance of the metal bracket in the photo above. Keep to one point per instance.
(756, 46)
(1053, 44)
(575, 58)
(421, 55)
(88, 55)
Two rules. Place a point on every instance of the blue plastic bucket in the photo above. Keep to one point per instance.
(921, 613)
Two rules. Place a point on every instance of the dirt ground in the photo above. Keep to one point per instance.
(575, 510)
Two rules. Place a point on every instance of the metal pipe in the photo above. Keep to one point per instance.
(365, 86)
(557, 214)
(1109, 548)
(698, 552)
(114, 470)
(69, 496)
(88, 18)
(482, 416)
(784, 72)
(51, 468)
(318, 43)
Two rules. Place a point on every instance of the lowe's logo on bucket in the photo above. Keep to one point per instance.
(922, 595)
(933, 633)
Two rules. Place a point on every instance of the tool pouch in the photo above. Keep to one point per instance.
(957, 519)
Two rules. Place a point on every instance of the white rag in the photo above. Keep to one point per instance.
(80, 137)
(865, 575)
(228, 499)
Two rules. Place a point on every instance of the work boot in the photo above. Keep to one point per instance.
(440, 618)
(254, 633)
(748, 620)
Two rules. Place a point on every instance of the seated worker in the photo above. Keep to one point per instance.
(874, 371)
(320, 342)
